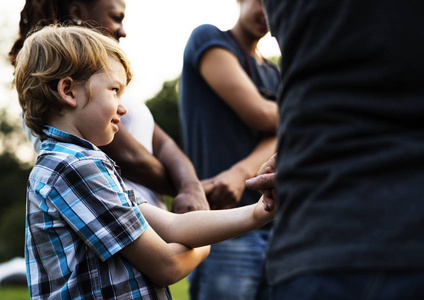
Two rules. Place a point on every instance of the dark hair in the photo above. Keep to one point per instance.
(39, 13)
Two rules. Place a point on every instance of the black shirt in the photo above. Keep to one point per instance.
(350, 170)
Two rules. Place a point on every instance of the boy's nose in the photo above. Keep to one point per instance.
(122, 110)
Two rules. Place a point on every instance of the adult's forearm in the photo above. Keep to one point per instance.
(252, 163)
(137, 164)
(179, 168)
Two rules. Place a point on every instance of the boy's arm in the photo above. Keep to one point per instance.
(199, 228)
(163, 263)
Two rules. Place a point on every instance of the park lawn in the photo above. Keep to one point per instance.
(14, 292)
(178, 291)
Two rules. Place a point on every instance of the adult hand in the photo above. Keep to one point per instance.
(190, 199)
(225, 189)
(269, 166)
(265, 182)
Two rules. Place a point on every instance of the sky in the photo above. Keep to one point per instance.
(157, 32)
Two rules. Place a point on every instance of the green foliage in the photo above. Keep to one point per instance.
(12, 231)
(13, 182)
(164, 108)
(14, 293)
(275, 60)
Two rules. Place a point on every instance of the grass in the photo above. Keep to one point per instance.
(14, 293)
(178, 291)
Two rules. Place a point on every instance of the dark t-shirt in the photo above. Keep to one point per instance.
(350, 170)
(214, 137)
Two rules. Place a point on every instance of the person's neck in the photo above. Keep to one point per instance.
(246, 41)
(64, 123)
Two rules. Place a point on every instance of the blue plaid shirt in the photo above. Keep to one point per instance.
(79, 216)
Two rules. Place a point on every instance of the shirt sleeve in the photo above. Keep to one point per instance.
(90, 197)
(202, 38)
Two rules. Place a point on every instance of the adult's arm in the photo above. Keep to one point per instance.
(137, 164)
(167, 171)
(190, 193)
(225, 189)
(224, 74)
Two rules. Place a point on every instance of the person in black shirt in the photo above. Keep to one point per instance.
(350, 157)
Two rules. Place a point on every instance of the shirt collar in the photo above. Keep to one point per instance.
(62, 136)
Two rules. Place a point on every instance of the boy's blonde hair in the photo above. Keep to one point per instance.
(57, 52)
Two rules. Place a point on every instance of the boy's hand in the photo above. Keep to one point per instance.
(264, 210)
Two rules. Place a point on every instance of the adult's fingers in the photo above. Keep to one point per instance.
(261, 182)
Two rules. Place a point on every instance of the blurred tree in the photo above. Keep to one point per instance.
(164, 108)
(13, 181)
(275, 60)
(12, 230)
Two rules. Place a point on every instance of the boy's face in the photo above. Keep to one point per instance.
(96, 119)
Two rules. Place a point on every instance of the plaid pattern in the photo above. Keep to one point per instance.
(79, 215)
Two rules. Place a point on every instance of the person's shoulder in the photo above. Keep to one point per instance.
(206, 30)
(68, 154)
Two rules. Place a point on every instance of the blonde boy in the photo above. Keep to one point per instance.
(87, 236)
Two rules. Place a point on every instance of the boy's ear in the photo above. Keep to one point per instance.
(65, 88)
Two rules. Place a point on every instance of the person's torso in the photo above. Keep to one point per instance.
(214, 136)
(350, 142)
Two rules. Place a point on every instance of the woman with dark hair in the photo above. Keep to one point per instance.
(151, 162)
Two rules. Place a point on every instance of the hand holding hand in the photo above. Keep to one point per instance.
(269, 166)
(265, 182)
(264, 210)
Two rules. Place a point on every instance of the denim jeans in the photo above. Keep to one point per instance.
(233, 270)
(352, 286)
